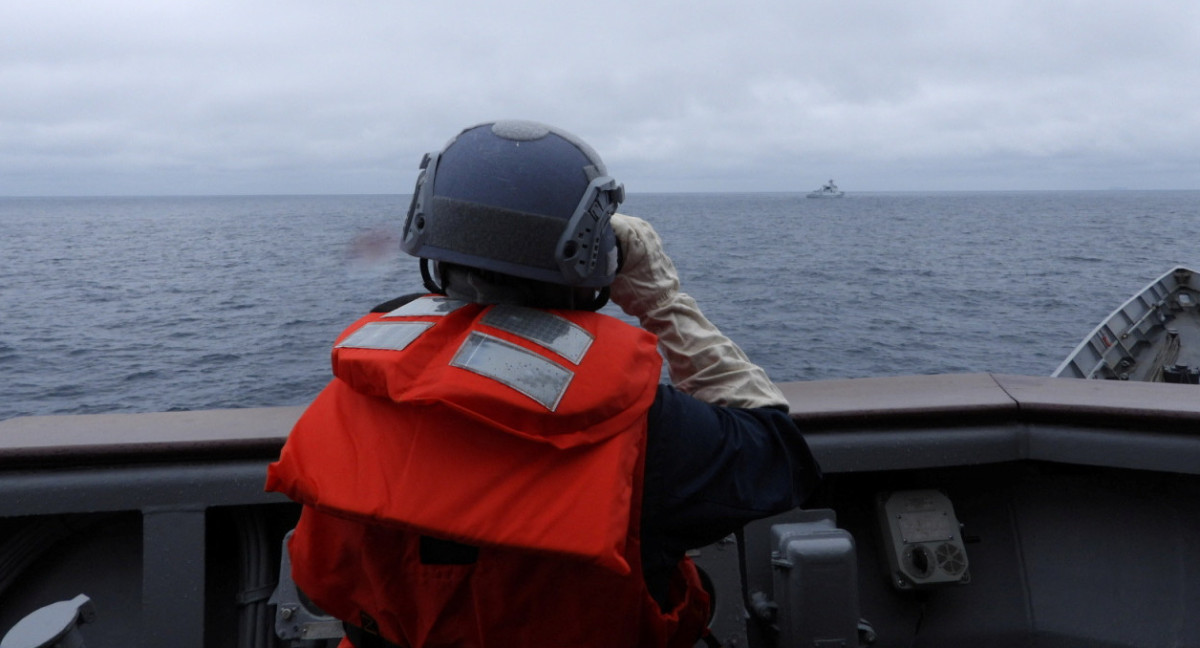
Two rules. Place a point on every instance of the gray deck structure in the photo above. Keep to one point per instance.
(1079, 502)
(1153, 337)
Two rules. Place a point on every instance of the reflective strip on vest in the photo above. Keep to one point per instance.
(525, 371)
(425, 306)
(389, 337)
(548, 330)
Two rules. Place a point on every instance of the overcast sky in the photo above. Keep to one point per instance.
(233, 97)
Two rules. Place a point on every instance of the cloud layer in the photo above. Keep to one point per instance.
(124, 97)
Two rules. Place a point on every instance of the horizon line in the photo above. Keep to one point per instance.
(848, 194)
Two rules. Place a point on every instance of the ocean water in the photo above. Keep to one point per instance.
(158, 304)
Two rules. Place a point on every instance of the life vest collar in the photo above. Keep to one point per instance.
(531, 372)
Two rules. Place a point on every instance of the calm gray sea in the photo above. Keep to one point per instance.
(155, 304)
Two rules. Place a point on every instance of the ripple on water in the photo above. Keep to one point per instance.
(134, 304)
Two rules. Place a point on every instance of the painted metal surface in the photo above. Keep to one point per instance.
(1079, 502)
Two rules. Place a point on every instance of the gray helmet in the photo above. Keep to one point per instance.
(519, 198)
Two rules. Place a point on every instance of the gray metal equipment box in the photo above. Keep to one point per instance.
(815, 584)
(923, 543)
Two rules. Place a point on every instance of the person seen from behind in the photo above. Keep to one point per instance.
(495, 463)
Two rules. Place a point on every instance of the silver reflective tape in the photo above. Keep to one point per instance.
(558, 334)
(545, 381)
(428, 306)
(392, 337)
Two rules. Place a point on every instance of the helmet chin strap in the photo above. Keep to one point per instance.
(427, 278)
(599, 302)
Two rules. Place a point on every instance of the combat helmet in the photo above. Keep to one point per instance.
(519, 198)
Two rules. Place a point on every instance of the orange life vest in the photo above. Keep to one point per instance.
(518, 432)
